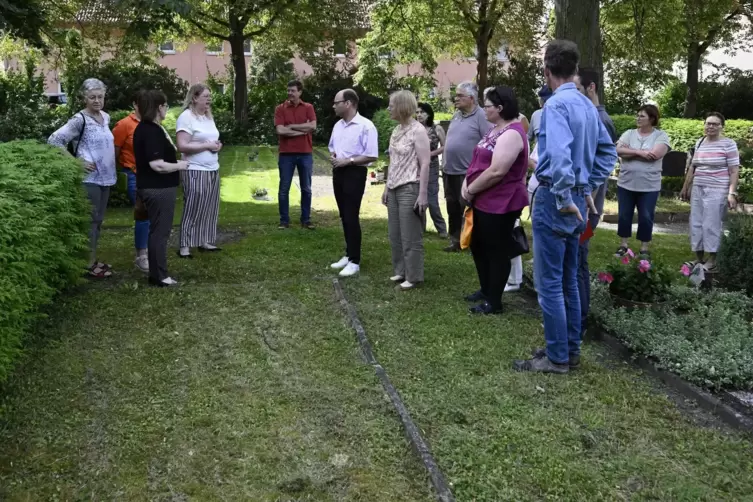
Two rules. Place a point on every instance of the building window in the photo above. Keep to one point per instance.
(213, 48)
(61, 89)
(222, 88)
(247, 47)
(167, 47)
(387, 54)
(341, 48)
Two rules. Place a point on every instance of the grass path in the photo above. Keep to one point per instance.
(246, 384)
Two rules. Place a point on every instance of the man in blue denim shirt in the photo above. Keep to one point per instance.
(576, 155)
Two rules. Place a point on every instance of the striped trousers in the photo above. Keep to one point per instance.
(201, 206)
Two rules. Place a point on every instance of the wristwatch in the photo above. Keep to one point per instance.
(734, 194)
(352, 160)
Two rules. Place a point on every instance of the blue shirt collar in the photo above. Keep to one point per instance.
(564, 87)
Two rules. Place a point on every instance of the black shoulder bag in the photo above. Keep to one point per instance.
(74, 149)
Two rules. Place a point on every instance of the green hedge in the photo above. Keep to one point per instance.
(683, 133)
(384, 126)
(44, 219)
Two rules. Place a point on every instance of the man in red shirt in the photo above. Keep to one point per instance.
(295, 122)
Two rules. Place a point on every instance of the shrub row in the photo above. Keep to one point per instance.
(44, 218)
(706, 338)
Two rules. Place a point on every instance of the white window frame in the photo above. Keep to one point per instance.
(223, 88)
(250, 47)
(167, 51)
(209, 52)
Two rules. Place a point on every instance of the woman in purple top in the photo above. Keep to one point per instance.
(495, 186)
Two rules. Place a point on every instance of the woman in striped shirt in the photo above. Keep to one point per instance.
(712, 184)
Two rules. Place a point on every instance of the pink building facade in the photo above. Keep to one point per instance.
(194, 61)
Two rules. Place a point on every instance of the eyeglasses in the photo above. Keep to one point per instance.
(338, 102)
(458, 96)
(713, 124)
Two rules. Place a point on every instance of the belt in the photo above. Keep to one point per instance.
(578, 188)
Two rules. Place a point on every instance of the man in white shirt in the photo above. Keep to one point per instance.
(353, 146)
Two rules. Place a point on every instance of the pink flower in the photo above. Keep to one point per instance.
(606, 277)
(625, 259)
(630, 253)
(685, 270)
(644, 266)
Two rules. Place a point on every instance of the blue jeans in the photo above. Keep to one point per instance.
(627, 200)
(555, 254)
(287, 164)
(584, 275)
(141, 227)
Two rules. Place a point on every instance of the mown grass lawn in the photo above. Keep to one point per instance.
(246, 384)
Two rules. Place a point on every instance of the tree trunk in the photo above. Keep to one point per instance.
(578, 21)
(482, 63)
(691, 98)
(240, 91)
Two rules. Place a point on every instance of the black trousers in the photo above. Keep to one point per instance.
(453, 184)
(160, 205)
(490, 244)
(349, 184)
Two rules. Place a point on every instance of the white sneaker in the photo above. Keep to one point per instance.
(340, 264)
(142, 263)
(169, 281)
(509, 288)
(406, 285)
(397, 278)
(350, 269)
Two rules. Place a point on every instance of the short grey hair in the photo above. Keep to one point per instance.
(91, 84)
(470, 88)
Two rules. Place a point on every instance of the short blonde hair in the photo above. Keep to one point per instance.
(194, 92)
(404, 103)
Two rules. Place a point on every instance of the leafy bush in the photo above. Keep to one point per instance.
(736, 254)
(24, 110)
(384, 126)
(525, 75)
(706, 338)
(727, 93)
(44, 218)
(683, 133)
(637, 280)
(124, 77)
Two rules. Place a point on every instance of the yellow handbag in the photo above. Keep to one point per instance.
(465, 234)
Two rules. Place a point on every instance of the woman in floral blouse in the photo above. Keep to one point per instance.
(93, 144)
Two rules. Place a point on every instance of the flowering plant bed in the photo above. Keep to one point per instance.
(636, 280)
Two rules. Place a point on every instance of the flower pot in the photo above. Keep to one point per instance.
(631, 305)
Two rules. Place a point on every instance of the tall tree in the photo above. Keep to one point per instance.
(578, 21)
(24, 19)
(410, 31)
(242, 21)
(710, 24)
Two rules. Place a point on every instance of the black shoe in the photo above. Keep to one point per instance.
(308, 226)
(485, 309)
(452, 248)
(541, 364)
(621, 251)
(475, 297)
(283, 226)
(574, 363)
(209, 250)
(188, 256)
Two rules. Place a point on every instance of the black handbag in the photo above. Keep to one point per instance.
(518, 242)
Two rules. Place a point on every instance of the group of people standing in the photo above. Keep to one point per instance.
(143, 149)
(486, 155)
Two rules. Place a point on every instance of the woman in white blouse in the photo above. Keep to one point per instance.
(199, 142)
(88, 132)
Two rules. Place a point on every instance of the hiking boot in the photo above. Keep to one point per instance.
(574, 363)
(540, 364)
